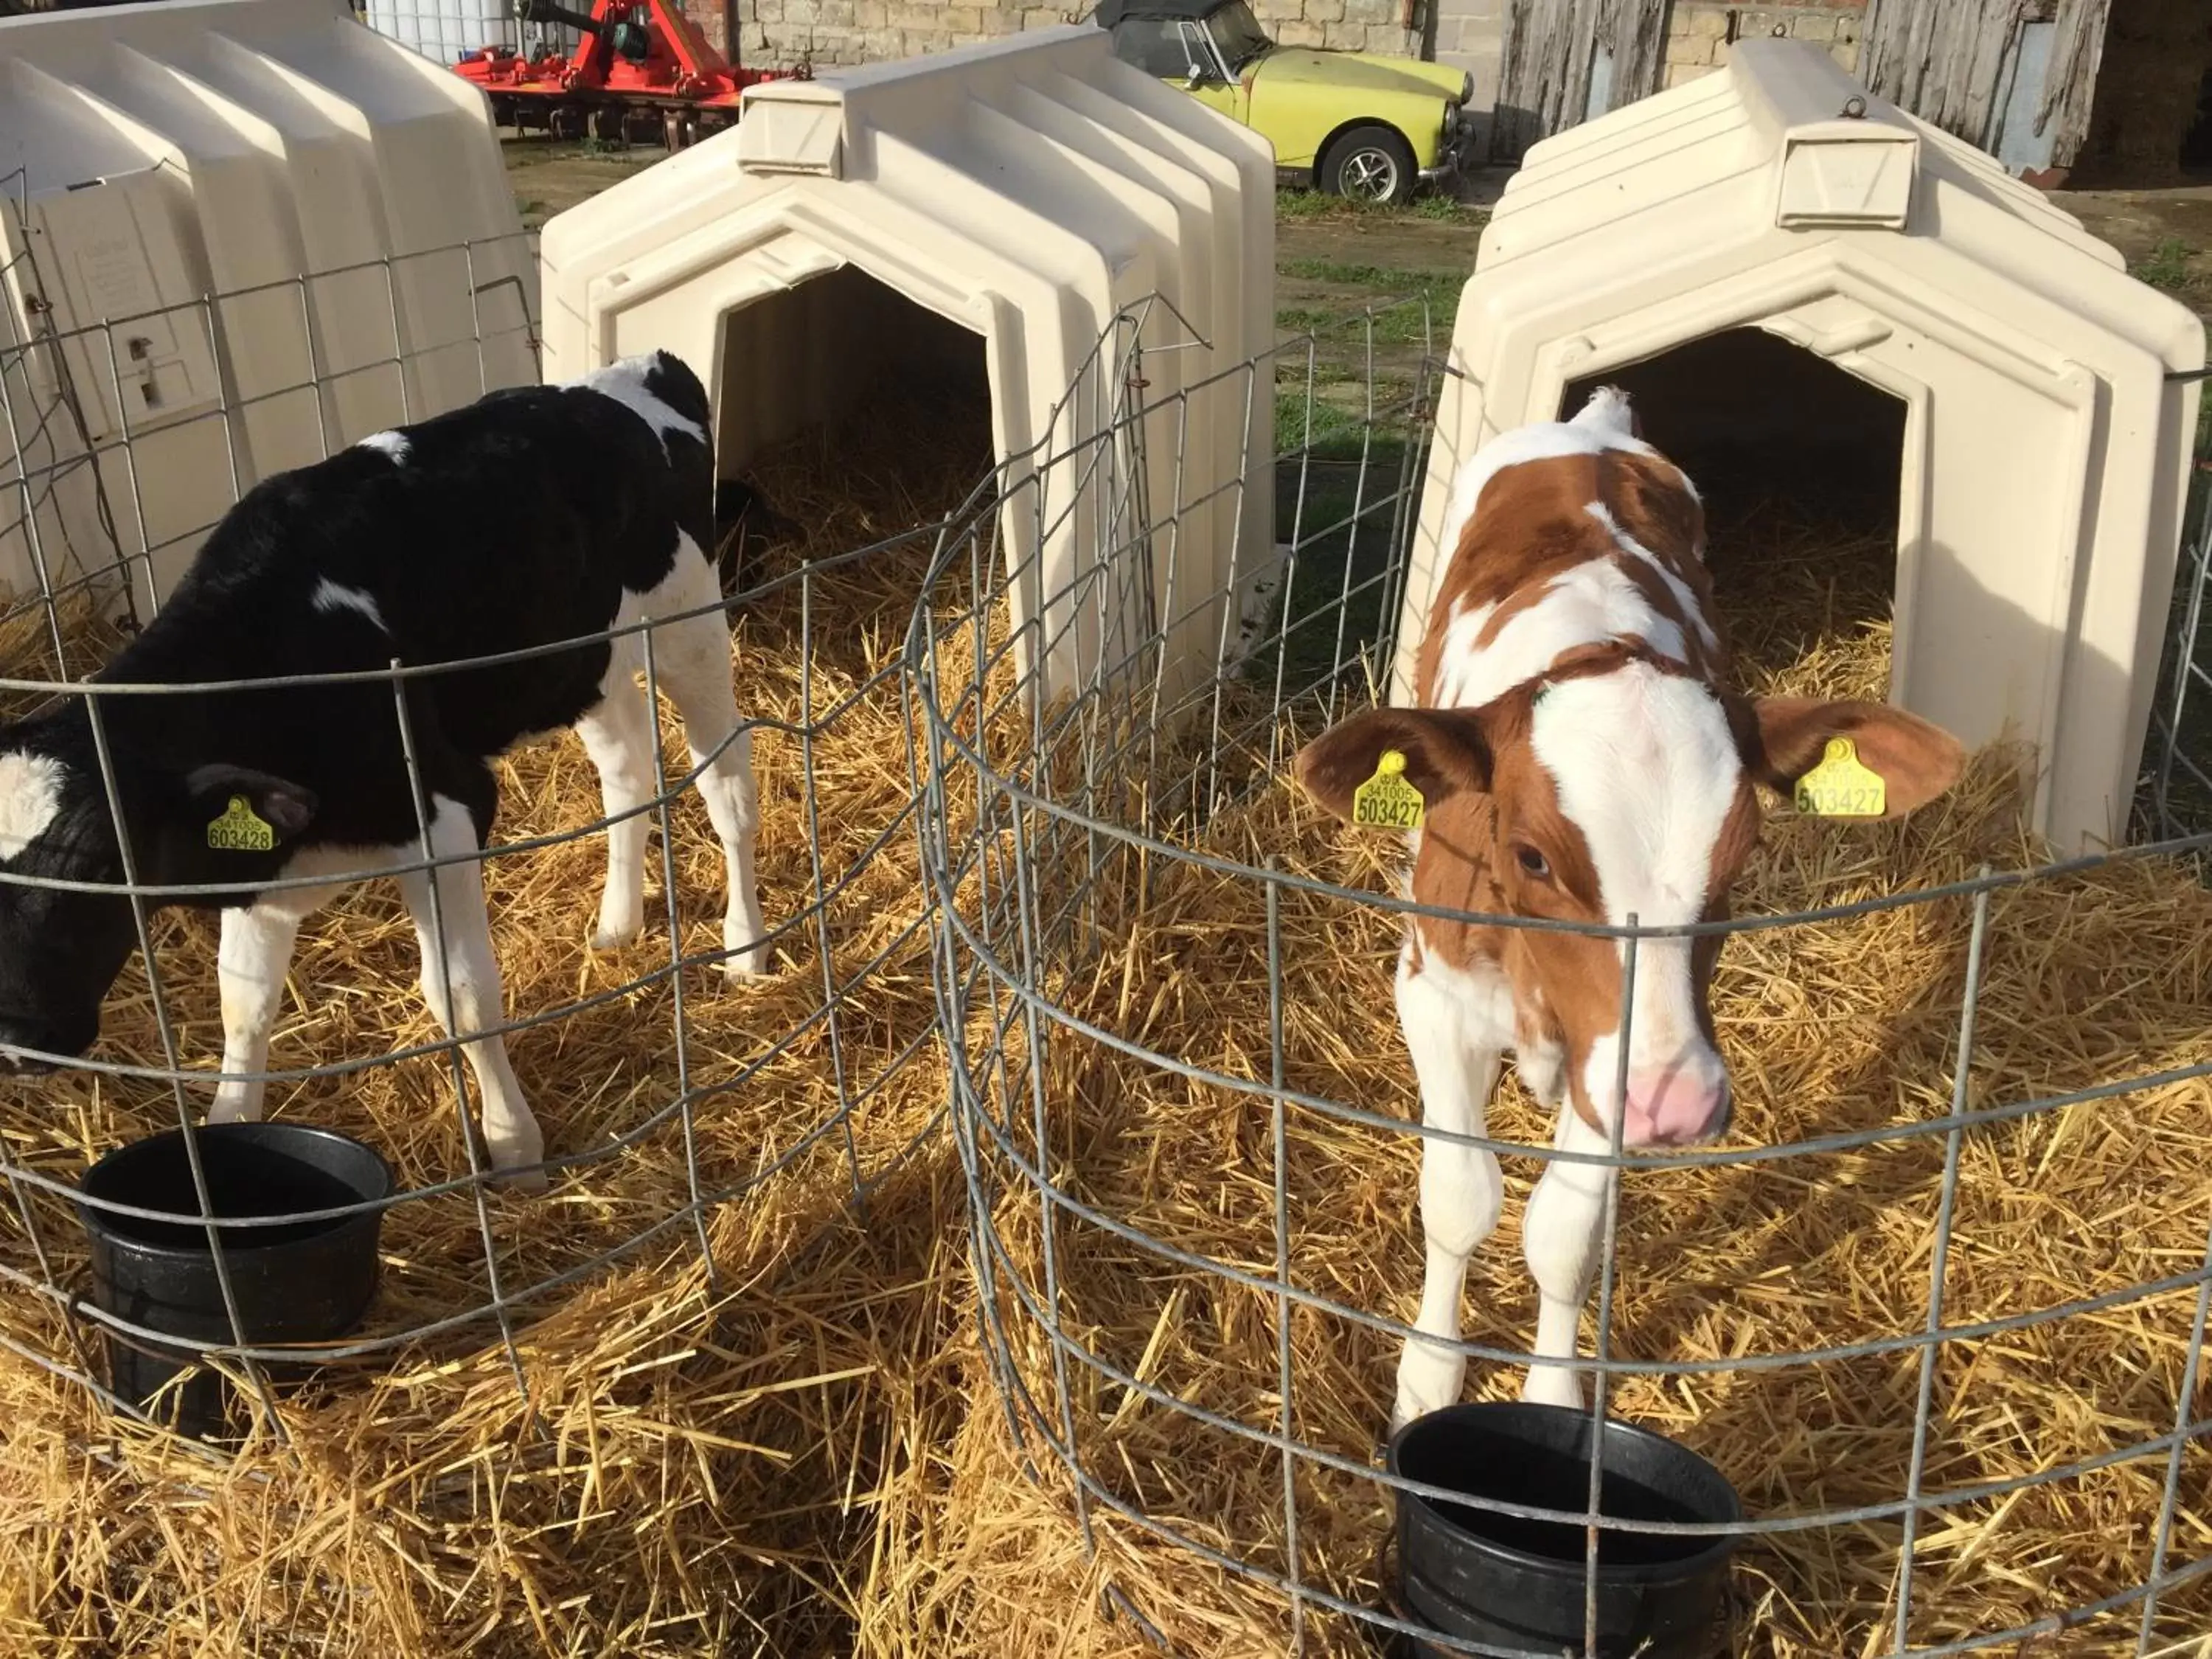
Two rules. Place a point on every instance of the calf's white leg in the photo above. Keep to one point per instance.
(464, 956)
(251, 963)
(1451, 1021)
(249, 967)
(1560, 1238)
(618, 737)
(692, 660)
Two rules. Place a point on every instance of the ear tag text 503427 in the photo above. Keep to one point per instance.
(239, 829)
(1388, 800)
(1842, 786)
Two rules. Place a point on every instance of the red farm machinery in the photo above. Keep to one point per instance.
(640, 71)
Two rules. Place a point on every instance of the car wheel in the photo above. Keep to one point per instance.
(1371, 163)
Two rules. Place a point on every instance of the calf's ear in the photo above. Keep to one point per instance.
(1917, 761)
(286, 808)
(1446, 752)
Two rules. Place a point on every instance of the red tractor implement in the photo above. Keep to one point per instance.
(642, 70)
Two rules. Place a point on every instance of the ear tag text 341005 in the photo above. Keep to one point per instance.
(1388, 800)
(241, 829)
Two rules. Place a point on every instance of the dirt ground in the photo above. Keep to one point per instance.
(2166, 234)
(550, 177)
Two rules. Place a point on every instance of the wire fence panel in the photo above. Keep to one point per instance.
(1936, 1306)
(2176, 797)
(666, 1090)
(130, 436)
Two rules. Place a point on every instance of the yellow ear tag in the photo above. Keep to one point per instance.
(1841, 785)
(239, 830)
(1387, 800)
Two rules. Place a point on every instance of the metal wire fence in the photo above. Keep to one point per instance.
(1164, 989)
(676, 1093)
(1180, 1178)
(2176, 796)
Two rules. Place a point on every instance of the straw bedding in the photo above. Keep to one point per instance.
(807, 1455)
(1832, 1027)
(693, 1468)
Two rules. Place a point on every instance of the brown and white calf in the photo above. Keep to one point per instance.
(1581, 759)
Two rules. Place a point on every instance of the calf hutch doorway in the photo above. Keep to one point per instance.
(1752, 418)
(1825, 303)
(1801, 466)
(840, 346)
(878, 430)
(1029, 216)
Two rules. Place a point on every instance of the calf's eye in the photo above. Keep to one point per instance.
(1532, 861)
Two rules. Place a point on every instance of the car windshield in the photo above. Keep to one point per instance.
(1238, 34)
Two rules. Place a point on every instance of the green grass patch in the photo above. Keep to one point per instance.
(1410, 307)
(1395, 323)
(1388, 279)
(1315, 423)
(1310, 205)
(1344, 499)
(2167, 266)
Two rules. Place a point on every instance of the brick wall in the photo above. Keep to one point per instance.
(1701, 33)
(776, 33)
(1343, 24)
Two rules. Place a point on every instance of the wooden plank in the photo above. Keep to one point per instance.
(1944, 61)
(1970, 97)
(1544, 79)
(1639, 49)
(2076, 56)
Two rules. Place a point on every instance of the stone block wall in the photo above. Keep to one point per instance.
(1470, 35)
(1342, 25)
(778, 33)
(1701, 33)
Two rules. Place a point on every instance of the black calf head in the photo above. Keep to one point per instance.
(61, 948)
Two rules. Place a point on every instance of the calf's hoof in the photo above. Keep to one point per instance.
(747, 956)
(1426, 1382)
(614, 934)
(531, 1182)
(517, 1164)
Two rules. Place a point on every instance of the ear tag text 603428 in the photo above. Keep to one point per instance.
(1842, 786)
(1388, 800)
(239, 829)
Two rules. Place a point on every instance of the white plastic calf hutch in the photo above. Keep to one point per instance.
(2042, 469)
(1032, 204)
(234, 234)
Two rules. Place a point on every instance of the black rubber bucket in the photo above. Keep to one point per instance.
(306, 1281)
(1519, 1585)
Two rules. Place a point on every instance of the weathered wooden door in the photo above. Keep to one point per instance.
(2010, 77)
(1568, 60)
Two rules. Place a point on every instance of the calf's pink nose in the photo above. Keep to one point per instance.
(1676, 1106)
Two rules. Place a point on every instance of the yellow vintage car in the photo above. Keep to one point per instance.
(1354, 123)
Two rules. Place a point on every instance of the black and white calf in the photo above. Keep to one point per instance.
(534, 517)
